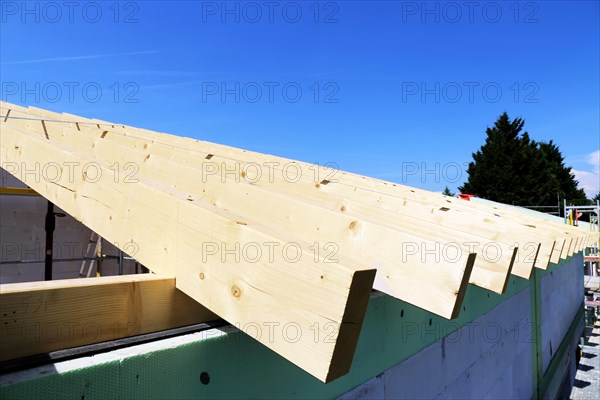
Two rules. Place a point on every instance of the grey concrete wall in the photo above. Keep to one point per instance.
(491, 357)
(561, 297)
(23, 237)
(488, 358)
(562, 382)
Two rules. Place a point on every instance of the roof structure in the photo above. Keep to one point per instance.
(260, 239)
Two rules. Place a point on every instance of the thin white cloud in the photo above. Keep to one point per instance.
(594, 159)
(77, 58)
(162, 73)
(589, 180)
(170, 85)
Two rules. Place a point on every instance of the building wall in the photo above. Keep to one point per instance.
(491, 357)
(488, 358)
(561, 296)
(403, 352)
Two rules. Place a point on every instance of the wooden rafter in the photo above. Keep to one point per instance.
(168, 230)
(402, 279)
(188, 193)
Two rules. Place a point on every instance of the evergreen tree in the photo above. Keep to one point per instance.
(514, 169)
(562, 178)
(447, 192)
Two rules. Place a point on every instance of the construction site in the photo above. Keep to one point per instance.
(139, 264)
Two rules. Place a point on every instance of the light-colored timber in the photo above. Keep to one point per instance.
(168, 232)
(41, 317)
(342, 233)
(184, 205)
(403, 272)
(350, 186)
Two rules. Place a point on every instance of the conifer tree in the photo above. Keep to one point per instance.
(447, 192)
(514, 169)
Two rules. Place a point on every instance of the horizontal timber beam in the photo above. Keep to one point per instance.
(41, 317)
(12, 191)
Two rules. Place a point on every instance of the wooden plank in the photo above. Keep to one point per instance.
(169, 230)
(359, 182)
(319, 225)
(40, 317)
(548, 250)
(399, 273)
(11, 191)
(184, 144)
(363, 183)
(594, 239)
(574, 245)
(409, 218)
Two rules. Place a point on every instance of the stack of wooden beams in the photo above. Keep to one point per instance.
(257, 239)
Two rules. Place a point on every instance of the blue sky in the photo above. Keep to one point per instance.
(398, 90)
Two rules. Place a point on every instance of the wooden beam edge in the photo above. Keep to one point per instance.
(350, 327)
(462, 291)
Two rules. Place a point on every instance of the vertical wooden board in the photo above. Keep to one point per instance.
(573, 245)
(558, 251)
(577, 244)
(568, 245)
(585, 242)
